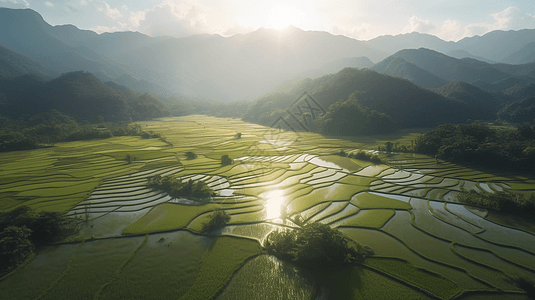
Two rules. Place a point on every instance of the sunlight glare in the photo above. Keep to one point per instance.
(274, 203)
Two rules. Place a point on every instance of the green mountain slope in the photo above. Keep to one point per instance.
(78, 94)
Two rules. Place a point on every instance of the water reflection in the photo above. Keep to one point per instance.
(275, 204)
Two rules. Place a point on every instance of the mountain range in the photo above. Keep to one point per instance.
(245, 66)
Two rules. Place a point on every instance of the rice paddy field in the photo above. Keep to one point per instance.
(139, 243)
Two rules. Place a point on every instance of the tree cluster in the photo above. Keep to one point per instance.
(218, 219)
(176, 188)
(22, 229)
(45, 129)
(315, 245)
(506, 202)
(482, 145)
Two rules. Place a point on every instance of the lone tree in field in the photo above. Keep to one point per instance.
(191, 155)
(219, 218)
(226, 160)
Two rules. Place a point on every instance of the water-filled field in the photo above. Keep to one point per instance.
(140, 243)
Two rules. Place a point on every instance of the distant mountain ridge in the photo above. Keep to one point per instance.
(431, 69)
(244, 66)
(13, 65)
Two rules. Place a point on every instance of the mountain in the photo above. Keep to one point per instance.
(337, 65)
(414, 40)
(519, 111)
(497, 45)
(460, 54)
(13, 65)
(492, 77)
(483, 104)
(523, 56)
(79, 94)
(406, 103)
(140, 85)
(398, 67)
(25, 32)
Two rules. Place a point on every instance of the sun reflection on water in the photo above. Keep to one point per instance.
(274, 204)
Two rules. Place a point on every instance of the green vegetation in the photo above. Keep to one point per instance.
(47, 129)
(371, 201)
(78, 94)
(364, 155)
(190, 155)
(507, 202)
(176, 188)
(348, 118)
(482, 145)
(224, 256)
(218, 218)
(226, 160)
(15, 247)
(315, 245)
(22, 229)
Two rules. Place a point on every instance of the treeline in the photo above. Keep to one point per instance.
(45, 129)
(482, 145)
(22, 230)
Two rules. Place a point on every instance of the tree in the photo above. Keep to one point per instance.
(191, 155)
(226, 160)
(15, 247)
(218, 219)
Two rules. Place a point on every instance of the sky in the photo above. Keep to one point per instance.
(450, 20)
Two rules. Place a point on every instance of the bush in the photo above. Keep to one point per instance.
(15, 247)
(218, 219)
(176, 188)
(315, 245)
(226, 160)
(502, 201)
(363, 155)
(191, 155)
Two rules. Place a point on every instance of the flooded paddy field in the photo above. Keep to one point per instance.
(139, 243)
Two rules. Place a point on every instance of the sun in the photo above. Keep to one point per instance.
(281, 16)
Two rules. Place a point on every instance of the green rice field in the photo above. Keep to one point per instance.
(139, 243)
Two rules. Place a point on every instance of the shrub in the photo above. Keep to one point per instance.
(315, 245)
(176, 188)
(363, 155)
(502, 201)
(15, 247)
(218, 219)
(191, 155)
(226, 160)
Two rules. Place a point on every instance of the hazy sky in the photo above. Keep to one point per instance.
(450, 20)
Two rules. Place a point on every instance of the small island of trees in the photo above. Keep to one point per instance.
(176, 188)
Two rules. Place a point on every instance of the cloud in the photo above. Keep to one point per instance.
(136, 17)
(511, 18)
(419, 25)
(112, 13)
(14, 3)
(172, 19)
(49, 4)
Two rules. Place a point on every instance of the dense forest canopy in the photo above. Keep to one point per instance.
(478, 143)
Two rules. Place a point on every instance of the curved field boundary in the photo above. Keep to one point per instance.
(120, 269)
(58, 279)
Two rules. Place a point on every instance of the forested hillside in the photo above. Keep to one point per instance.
(406, 103)
(78, 94)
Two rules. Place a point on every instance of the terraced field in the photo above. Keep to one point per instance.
(140, 243)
